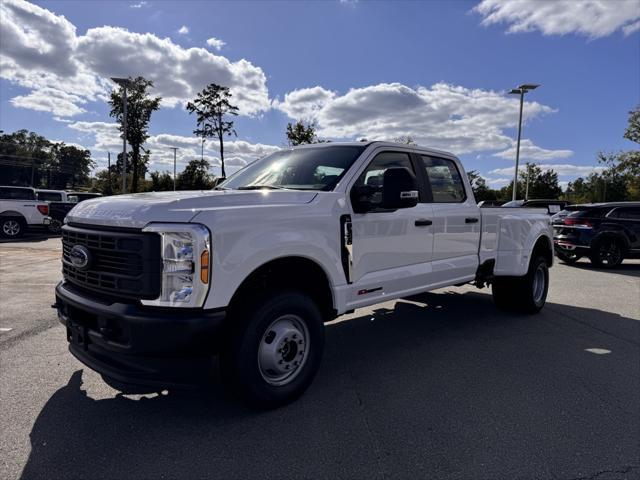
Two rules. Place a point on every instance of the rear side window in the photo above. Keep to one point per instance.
(445, 180)
(589, 213)
(49, 196)
(9, 193)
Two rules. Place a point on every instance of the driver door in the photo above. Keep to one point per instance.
(391, 250)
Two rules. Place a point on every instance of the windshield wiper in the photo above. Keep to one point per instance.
(261, 187)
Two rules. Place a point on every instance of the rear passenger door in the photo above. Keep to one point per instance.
(456, 221)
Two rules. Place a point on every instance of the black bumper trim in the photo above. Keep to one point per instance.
(138, 345)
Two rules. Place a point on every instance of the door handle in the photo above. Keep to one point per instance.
(423, 222)
(471, 220)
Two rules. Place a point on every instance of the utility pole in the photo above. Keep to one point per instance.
(33, 170)
(175, 149)
(202, 150)
(526, 190)
(521, 90)
(109, 172)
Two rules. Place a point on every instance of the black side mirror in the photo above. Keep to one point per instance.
(400, 189)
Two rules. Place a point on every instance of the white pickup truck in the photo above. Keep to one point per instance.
(20, 210)
(252, 270)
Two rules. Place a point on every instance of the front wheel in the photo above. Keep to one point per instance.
(526, 294)
(275, 349)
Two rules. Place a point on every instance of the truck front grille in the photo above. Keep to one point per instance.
(122, 263)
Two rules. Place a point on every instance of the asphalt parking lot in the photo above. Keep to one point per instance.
(437, 386)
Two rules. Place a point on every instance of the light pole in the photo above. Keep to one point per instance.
(124, 83)
(521, 90)
(175, 149)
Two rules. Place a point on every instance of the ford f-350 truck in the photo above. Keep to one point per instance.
(252, 270)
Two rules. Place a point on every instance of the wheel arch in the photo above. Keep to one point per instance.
(543, 246)
(13, 214)
(610, 235)
(295, 272)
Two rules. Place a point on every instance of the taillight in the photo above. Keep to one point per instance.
(577, 222)
(43, 209)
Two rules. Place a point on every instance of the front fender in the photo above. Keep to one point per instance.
(238, 250)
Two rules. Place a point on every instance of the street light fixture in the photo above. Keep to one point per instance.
(124, 83)
(521, 90)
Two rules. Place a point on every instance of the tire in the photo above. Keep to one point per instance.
(275, 349)
(607, 253)
(526, 294)
(568, 257)
(12, 227)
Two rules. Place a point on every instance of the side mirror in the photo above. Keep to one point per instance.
(399, 189)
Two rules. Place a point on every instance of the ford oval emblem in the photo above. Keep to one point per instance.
(79, 256)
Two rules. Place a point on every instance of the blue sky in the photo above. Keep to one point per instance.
(436, 71)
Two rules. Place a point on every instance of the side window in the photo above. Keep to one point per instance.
(17, 193)
(445, 180)
(372, 177)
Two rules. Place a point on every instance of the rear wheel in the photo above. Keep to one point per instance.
(607, 253)
(526, 294)
(275, 349)
(12, 227)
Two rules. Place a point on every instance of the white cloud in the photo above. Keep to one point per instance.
(529, 151)
(51, 100)
(183, 30)
(138, 5)
(443, 116)
(305, 103)
(592, 18)
(216, 43)
(106, 137)
(498, 182)
(41, 52)
(564, 170)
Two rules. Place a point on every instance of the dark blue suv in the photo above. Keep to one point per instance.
(607, 233)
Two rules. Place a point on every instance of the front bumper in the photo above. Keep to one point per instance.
(139, 345)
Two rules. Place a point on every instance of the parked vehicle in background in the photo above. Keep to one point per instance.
(60, 204)
(558, 218)
(552, 206)
(607, 233)
(253, 269)
(20, 210)
(82, 196)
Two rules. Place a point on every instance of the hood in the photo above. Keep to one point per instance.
(136, 210)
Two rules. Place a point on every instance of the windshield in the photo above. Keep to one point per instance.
(301, 169)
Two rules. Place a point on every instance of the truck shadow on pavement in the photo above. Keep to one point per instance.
(441, 386)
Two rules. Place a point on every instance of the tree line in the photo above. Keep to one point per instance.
(29, 159)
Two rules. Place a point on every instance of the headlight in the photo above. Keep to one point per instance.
(185, 264)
